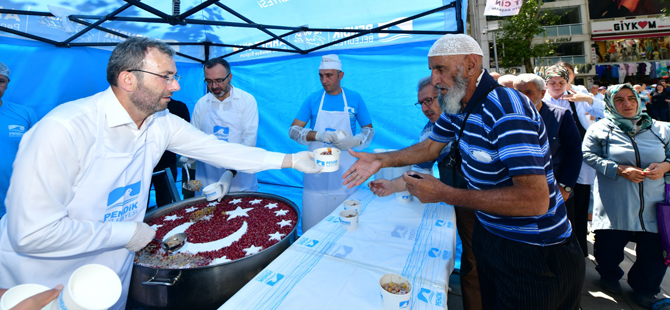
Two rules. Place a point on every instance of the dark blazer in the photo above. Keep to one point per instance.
(565, 142)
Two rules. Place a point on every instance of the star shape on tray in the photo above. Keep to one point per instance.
(271, 206)
(284, 223)
(255, 201)
(172, 217)
(239, 212)
(252, 249)
(281, 212)
(236, 201)
(155, 227)
(275, 236)
(191, 209)
(212, 204)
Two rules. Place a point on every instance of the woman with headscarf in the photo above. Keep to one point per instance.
(630, 153)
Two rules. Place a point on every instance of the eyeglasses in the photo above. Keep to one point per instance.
(217, 81)
(168, 79)
(427, 102)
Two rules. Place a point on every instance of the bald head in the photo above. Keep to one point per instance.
(507, 80)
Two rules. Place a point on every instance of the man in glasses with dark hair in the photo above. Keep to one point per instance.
(231, 115)
(81, 179)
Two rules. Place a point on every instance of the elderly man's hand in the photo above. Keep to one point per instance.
(577, 97)
(366, 165)
(427, 189)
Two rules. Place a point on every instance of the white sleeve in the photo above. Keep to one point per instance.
(249, 120)
(42, 185)
(596, 109)
(365, 135)
(188, 141)
(197, 113)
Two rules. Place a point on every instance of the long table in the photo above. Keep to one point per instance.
(331, 268)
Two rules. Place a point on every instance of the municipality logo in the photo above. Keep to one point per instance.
(16, 130)
(122, 202)
(406, 26)
(221, 133)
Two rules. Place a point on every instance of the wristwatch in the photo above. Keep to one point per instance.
(566, 188)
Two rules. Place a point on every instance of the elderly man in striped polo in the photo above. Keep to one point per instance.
(526, 255)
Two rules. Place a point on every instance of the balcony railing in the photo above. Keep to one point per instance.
(564, 30)
(548, 61)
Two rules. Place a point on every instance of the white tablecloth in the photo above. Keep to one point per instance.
(331, 268)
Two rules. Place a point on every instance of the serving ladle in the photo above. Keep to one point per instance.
(172, 243)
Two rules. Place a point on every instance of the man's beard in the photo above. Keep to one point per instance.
(147, 101)
(450, 103)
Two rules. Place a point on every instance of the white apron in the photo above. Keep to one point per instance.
(226, 125)
(323, 192)
(114, 187)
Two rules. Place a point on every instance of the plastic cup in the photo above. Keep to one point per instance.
(330, 162)
(213, 191)
(353, 204)
(90, 287)
(403, 197)
(19, 293)
(349, 219)
(391, 301)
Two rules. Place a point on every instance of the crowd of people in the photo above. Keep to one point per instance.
(518, 157)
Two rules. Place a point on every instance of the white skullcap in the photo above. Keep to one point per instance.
(455, 44)
(330, 62)
(4, 70)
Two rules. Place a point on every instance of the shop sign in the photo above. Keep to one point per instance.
(629, 25)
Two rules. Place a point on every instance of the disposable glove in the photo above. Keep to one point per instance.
(224, 183)
(348, 142)
(326, 136)
(183, 160)
(304, 162)
(142, 235)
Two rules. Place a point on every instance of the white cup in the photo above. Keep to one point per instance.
(392, 301)
(19, 293)
(349, 219)
(90, 287)
(399, 171)
(353, 204)
(403, 197)
(213, 191)
(329, 163)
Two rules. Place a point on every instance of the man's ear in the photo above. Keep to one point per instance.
(127, 80)
(470, 65)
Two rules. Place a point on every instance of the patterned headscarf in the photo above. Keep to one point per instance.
(557, 70)
(630, 126)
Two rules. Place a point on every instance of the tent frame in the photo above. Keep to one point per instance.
(182, 19)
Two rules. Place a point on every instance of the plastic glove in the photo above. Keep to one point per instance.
(326, 136)
(347, 143)
(304, 162)
(225, 181)
(142, 235)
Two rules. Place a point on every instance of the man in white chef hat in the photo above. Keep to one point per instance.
(81, 179)
(326, 111)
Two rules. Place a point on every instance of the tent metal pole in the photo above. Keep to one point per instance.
(268, 32)
(27, 35)
(196, 9)
(256, 46)
(97, 23)
(149, 9)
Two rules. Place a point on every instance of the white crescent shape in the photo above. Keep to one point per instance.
(195, 248)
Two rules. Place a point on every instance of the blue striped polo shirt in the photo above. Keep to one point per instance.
(505, 137)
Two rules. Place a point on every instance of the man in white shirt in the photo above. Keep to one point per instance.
(230, 114)
(595, 93)
(81, 179)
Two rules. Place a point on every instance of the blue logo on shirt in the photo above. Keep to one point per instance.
(16, 130)
(122, 202)
(221, 133)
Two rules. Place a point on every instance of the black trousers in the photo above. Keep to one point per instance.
(515, 275)
(578, 214)
(647, 273)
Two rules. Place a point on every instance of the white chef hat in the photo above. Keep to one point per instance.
(330, 62)
(455, 44)
(4, 70)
